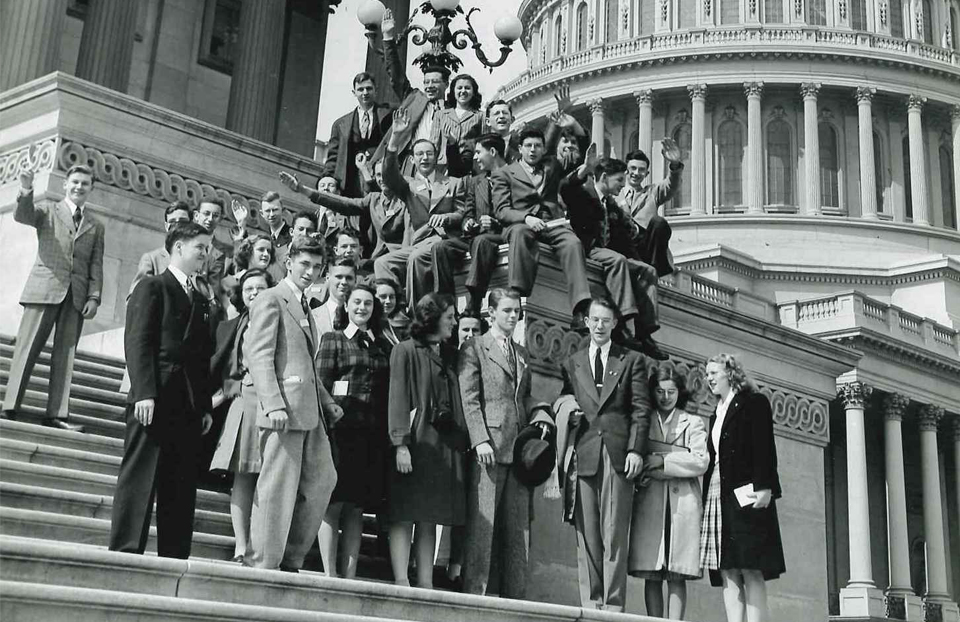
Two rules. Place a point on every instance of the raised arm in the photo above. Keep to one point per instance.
(391, 52)
(26, 213)
(665, 189)
(392, 177)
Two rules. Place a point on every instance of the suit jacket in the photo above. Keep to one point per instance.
(642, 204)
(445, 195)
(385, 215)
(346, 142)
(496, 403)
(479, 200)
(515, 197)
(225, 366)
(167, 345)
(151, 263)
(322, 318)
(67, 259)
(619, 417)
(588, 215)
(279, 349)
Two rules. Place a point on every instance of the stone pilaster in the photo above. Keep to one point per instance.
(868, 175)
(955, 140)
(252, 110)
(106, 47)
(645, 128)
(918, 161)
(811, 148)
(698, 170)
(597, 124)
(30, 34)
(755, 197)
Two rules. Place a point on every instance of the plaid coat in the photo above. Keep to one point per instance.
(67, 259)
(367, 374)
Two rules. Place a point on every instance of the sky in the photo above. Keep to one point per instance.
(347, 48)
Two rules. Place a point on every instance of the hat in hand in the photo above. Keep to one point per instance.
(534, 455)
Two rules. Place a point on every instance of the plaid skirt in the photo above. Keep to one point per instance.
(711, 526)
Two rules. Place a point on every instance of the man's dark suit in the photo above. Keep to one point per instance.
(167, 344)
(615, 422)
(514, 198)
(346, 142)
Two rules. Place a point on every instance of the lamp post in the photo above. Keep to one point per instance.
(507, 29)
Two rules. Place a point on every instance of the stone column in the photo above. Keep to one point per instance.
(811, 147)
(596, 127)
(918, 161)
(937, 590)
(955, 136)
(30, 34)
(868, 175)
(860, 597)
(754, 91)
(898, 539)
(106, 47)
(252, 110)
(645, 130)
(698, 146)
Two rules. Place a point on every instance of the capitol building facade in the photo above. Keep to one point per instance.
(821, 192)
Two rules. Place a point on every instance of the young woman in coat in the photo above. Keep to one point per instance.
(740, 538)
(427, 486)
(667, 510)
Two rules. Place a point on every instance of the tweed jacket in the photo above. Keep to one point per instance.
(67, 259)
(618, 418)
(279, 350)
(365, 373)
(642, 204)
(496, 402)
(444, 195)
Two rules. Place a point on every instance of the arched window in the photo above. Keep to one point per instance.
(729, 11)
(730, 163)
(583, 25)
(610, 13)
(907, 183)
(558, 37)
(858, 14)
(879, 172)
(779, 164)
(544, 44)
(773, 11)
(817, 12)
(927, 22)
(896, 18)
(684, 138)
(947, 185)
(829, 166)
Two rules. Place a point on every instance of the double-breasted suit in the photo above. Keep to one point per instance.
(167, 345)
(496, 405)
(347, 140)
(297, 473)
(615, 422)
(67, 273)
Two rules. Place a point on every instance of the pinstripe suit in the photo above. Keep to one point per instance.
(68, 272)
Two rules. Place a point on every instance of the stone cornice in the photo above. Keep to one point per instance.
(857, 337)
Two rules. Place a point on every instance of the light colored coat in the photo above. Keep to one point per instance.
(496, 405)
(679, 485)
(151, 263)
(67, 259)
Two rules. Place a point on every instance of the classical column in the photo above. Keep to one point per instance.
(252, 110)
(937, 591)
(30, 35)
(698, 146)
(955, 135)
(596, 127)
(860, 597)
(811, 147)
(868, 175)
(754, 91)
(106, 46)
(645, 129)
(897, 536)
(918, 161)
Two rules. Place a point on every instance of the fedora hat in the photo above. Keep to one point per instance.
(534, 455)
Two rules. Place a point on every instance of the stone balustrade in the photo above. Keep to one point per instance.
(723, 295)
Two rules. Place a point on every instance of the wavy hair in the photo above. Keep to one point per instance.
(733, 369)
(475, 101)
(665, 372)
(427, 314)
(236, 296)
(341, 318)
(245, 250)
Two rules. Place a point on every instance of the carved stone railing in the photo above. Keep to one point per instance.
(799, 40)
(722, 295)
(851, 310)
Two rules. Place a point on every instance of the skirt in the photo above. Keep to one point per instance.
(239, 448)
(711, 527)
(361, 466)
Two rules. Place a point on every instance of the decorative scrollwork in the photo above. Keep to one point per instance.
(37, 157)
(883, 13)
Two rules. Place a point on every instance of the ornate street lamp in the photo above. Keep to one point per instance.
(507, 29)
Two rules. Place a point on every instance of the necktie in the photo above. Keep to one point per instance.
(508, 354)
(188, 287)
(305, 305)
(489, 206)
(365, 124)
(598, 370)
(363, 341)
(77, 218)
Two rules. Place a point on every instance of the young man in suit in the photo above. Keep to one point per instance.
(168, 345)
(297, 475)
(358, 131)
(642, 202)
(607, 234)
(435, 206)
(499, 119)
(525, 196)
(219, 261)
(495, 389)
(609, 383)
(156, 261)
(271, 209)
(341, 277)
(62, 291)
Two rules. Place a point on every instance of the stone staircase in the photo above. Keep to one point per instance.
(56, 492)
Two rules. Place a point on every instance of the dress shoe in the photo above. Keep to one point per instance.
(9, 415)
(289, 569)
(238, 559)
(650, 348)
(60, 424)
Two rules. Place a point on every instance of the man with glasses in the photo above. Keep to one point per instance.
(609, 384)
(156, 261)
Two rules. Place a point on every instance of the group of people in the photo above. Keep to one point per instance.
(325, 357)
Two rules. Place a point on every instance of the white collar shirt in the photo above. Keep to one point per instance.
(352, 329)
(604, 355)
(182, 278)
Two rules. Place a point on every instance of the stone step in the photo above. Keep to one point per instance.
(107, 366)
(93, 378)
(48, 455)
(84, 505)
(78, 390)
(32, 433)
(57, 478)
(147, 577)
(63, 528)
(33, 410)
